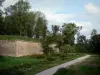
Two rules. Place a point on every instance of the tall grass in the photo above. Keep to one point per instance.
(11, 37)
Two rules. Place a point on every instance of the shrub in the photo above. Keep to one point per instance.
(81, 48)
(50, 58)
(65, 48)
(56, 54)
(44, 61)
(11, 71)
(63, 56)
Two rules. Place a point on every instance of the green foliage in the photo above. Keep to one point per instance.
(69, 30)
(24, 22)
(93, 33)
(20, 19)
(40, 29)
(55, 30)
(50, 58)
(63, 56)
(46, 49)
(65, 48)
(81, 40)
(81, 49)
(10, 72)
(95, 41)
(1, 18)
(30, 65)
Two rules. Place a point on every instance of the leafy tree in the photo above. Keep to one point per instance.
(20, 19)
(46, 46)
(93, 33)
(59, 40)
(1, 19)
(69, 30)
(40, 26)
(82, 44)
(30, 24)
(81, 40)
(55, 30)
(65, 48)
(95, 41)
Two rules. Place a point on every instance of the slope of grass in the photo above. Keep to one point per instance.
(11, 37)
(31, 65)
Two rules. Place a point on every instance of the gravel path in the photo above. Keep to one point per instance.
(51, 71)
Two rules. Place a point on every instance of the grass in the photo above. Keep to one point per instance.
(48, 64)
(13, 38)
(6, 62)
(91, 66)
(30, 65)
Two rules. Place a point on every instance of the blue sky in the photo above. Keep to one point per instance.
(82, 12)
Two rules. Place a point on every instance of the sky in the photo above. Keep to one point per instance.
(83, 13)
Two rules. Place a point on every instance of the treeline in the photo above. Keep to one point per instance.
(18, 20)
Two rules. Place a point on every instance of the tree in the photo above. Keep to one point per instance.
(20, 19)
(1, 19)
(65, 48)
(69, 30)
(93, 33)
(81, 40)
(40, 29)
(82, 44)
(55, 30)
(95, 41)
(47, 50)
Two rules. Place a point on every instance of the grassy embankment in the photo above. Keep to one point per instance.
(13, 38)
(31, 65)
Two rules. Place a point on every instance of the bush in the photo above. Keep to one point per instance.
(49, 58)
(56, 54)
(44, 61)
(81, 48)
(11, 71)
(65, 48)
(63, 56)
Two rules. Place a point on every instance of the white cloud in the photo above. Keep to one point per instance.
(47, 5)
(59, 19)
(90, 8)
(89, 19)
(9, 2)
(86, 27)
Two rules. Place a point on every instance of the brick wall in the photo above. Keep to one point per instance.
(19, 48)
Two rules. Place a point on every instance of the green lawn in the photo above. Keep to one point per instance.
(91, 66)
(6, 62)
(11, 37)
(30, 65)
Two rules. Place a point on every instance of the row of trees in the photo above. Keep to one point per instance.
(18, 20)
